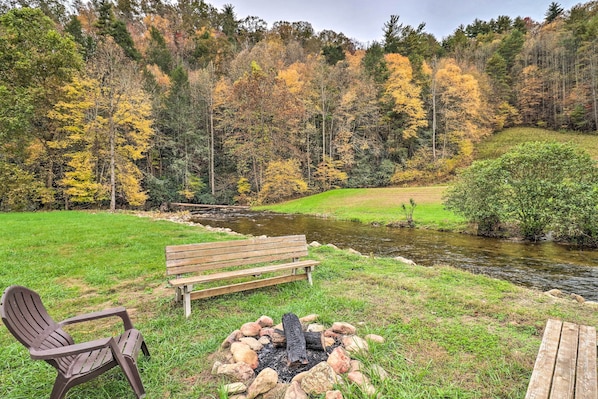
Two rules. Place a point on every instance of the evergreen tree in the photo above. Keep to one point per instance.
(554, 11)
(109, 25)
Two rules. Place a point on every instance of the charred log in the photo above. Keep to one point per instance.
(313, 340)
(296, 349)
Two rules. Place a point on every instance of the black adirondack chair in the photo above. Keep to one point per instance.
(26, 318)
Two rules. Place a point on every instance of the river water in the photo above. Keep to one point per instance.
(543, 265)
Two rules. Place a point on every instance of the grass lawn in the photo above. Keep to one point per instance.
(449, 334)
(377, 205)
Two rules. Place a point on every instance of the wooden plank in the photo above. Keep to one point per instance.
(563, 380)
(199, 268)
(241, 273)
(211, 256)
(586, 385)
(228, 289)
(234, 252)
(539, 385)
(239, 248)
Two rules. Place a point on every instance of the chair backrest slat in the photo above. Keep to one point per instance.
(25, 316)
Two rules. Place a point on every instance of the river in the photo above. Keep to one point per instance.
(544, 265)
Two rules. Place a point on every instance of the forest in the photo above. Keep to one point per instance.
(139, 103)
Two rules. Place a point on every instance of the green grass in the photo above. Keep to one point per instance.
(377, 205)
(501, 142)
(449, 334)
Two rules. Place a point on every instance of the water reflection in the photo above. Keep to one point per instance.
(542, 265)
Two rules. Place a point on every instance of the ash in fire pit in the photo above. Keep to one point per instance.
(302, 349)
(276, 359)
(261, 358)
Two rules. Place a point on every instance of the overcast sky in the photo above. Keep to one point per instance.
(364, 20)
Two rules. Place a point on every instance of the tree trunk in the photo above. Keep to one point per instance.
(434, 118)
(112, 164)
(212, 155)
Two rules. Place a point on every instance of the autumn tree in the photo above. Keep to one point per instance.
(282, 180)
(530, 89)
(328, 174)
(263, 123)
(19, 191)
(459, 107)
(405, 96)
(357, 144)
(119, 128)
(35, 62)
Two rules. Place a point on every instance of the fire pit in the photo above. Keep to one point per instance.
(297, 354)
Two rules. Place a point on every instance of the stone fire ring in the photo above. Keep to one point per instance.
(255, 359)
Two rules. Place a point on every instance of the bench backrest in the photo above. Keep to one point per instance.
(207, 256)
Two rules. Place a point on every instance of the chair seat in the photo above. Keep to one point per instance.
(129, 343)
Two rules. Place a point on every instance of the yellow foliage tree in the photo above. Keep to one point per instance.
(108, 127)
(283, 180)
(328, 173)
(405, 94)
(459, 105)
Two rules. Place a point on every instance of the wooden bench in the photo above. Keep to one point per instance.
(255, 262)
(566, 363)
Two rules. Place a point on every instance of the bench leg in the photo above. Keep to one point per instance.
(187, 299)
(308, 271)
(178, 295)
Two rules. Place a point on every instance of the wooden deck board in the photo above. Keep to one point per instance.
(566, 364)
(585, 386)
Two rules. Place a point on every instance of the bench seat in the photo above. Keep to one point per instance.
(206, 278)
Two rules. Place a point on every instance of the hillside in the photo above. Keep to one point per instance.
(499, 143)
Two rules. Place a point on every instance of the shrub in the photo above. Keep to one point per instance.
(19, 190)
(541, 187)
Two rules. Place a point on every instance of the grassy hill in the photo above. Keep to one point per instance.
(501, 142)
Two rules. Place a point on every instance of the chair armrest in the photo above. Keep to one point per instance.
(71, 349)
(119, 311)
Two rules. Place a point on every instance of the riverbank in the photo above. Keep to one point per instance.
(383, 206)
(448, 333)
